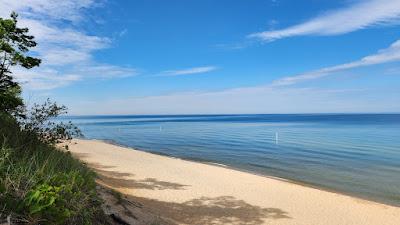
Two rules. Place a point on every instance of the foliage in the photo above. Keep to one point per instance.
(53, 199)
(40, 184)
(40, 121)
(14, 45)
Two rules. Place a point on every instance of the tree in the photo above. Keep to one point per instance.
(39, 121)
(14, 46)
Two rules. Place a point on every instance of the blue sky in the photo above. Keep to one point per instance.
(185, 57)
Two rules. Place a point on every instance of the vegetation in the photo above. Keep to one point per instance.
(14, 44)
(39, 184)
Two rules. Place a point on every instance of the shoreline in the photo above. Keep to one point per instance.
(296, 182)
(197, 190)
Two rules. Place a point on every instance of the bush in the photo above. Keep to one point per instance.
(40, 122)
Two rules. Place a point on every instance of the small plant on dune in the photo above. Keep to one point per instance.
(55, 199)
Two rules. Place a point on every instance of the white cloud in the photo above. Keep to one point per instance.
(47, 78)
(44, 78)
(360, 15)
(66, 51)
(56, 9)
(390, 54)
(48, 34)
(106, 71)
(189, 71)
(62, 56)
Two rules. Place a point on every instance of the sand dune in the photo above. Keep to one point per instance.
(194, 193)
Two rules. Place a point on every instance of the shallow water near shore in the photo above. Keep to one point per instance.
(358, 154)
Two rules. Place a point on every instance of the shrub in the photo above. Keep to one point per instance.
(40, 122)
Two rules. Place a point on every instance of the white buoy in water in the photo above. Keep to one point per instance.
(276, 137)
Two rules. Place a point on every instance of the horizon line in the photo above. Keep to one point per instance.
(234, 114)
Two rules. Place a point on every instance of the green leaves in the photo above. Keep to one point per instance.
(52, 200)
(38, 183)
(42, 198)
(15, 43)
(10, 97)
(29, 62)
(40, 121)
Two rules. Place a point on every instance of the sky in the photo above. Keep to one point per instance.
(213, 56)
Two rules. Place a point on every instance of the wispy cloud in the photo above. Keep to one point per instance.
(70, 10)
(390, 54)
(276, 97)
(359, 15)
(107, 71)
(44, 78)
(66, 51)
(188, 71)
(123, 32)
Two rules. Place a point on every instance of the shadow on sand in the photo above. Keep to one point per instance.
(124, 180)
(204, 210)
(218, 210)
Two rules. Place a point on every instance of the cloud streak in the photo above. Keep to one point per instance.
(360, 15)
(188, 71)
(390, 54)
(47, 77)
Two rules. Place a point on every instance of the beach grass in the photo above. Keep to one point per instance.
(39, 184)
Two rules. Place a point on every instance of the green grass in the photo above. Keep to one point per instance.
(40, 184)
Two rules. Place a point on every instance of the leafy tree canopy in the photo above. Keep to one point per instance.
(14, 46)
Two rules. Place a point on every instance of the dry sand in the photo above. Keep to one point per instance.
(188, 192)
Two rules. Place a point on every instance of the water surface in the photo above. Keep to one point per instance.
(357, 154)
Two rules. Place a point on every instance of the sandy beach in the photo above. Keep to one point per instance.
(186, 192)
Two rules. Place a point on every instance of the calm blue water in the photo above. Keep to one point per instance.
(355, 154)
